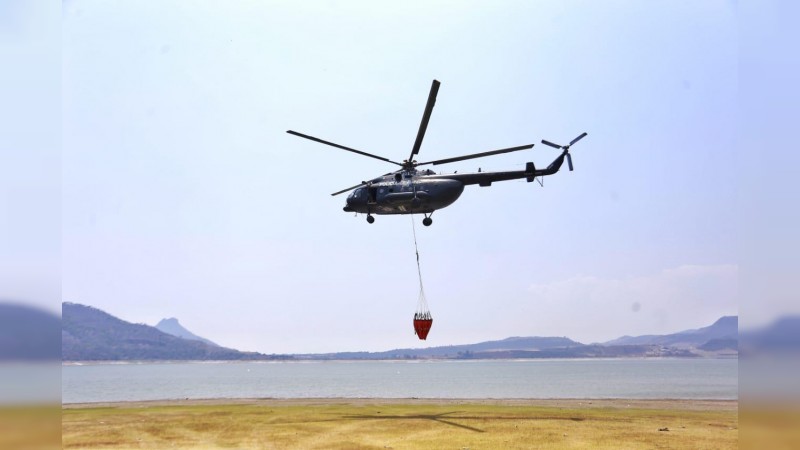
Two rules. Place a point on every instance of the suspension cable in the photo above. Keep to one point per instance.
(423, 312)
(416, 249)
(422, 317)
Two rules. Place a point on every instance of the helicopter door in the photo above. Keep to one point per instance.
(372, 192)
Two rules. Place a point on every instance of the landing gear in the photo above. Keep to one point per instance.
(427, 221)
(370, 219)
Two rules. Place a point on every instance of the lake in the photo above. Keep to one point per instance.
(551, 378)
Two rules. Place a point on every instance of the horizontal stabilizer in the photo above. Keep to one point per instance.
(530, 169)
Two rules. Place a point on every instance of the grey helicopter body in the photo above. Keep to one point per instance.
(406, 192)
(423, 191)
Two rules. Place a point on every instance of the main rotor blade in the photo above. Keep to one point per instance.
(312, 138)
(569, 161)
(426, 116)
(362, 184)
(551, 144)
(578, 138)
(348, 189)
(477, 155)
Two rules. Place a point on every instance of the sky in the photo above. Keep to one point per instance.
(30, 154)
(182, 195)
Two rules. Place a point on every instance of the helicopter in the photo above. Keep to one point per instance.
(409, 190)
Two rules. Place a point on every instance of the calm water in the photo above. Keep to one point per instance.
(612, 378)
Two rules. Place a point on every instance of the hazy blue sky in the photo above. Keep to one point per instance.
(30, 153)
(183, 196)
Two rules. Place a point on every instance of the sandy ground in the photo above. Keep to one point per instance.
(667, 404)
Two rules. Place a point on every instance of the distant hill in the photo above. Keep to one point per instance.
(716, 345)
(513, 348)
(725, 328)
(89, 334)
(781, 336)
(173, 327)
(454, 351)
(718, 339)
(585, 351)
(28, 333)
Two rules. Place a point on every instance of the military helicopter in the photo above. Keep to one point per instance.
(422, 191)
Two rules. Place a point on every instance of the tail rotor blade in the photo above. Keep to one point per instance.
(578, 138)
(551, 144)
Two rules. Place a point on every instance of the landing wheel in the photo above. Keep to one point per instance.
(427, 221)
(370, 219)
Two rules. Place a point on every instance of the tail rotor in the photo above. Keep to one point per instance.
(565, 148)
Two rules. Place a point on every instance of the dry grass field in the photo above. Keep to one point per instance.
(30, 427)
(402, 424)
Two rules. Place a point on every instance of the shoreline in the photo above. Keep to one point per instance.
(571, 403)
(357, 360)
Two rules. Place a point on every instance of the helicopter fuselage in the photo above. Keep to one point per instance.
(404, 193)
